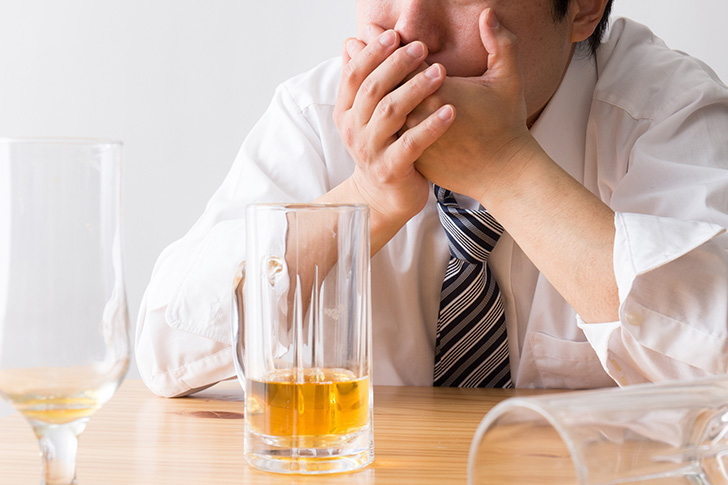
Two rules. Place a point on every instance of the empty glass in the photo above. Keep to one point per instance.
(64, 343)
(672, 433)
(303, 338)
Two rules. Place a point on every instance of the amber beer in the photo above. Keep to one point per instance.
(316, 405)
(303, 338)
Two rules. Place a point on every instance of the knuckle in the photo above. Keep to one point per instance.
(370, 87)
(347, 136)
(402, 62)
(381, 173)
(387, 107)
(350, 73)
(510, 42)
(415, 88)
(343, 125)
(409, 142)
(409, 122)
(361, 149)
(421, 81)
(432, 126)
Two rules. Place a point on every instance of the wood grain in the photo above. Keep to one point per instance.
(422, 436)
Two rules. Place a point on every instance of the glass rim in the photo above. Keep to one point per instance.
(535, 406)
(305, 205)
(60, 140)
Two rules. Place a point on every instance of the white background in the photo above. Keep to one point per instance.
(182, 81)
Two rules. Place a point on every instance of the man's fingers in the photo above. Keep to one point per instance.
(393, 110)
(352, 48)
(386, 77)
(413, 142)
(371, 33)
(358, 68)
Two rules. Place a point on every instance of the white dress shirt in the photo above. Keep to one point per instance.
(642, 127)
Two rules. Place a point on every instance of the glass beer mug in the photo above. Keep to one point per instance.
(652, 434)
(303, 338)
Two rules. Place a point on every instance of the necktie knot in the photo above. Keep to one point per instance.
(471, 347)
(471, 234)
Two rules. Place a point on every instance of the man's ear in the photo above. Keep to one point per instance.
(585, 16)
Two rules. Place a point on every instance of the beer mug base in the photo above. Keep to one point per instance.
(340, 454)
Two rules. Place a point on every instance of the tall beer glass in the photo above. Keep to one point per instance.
(64, 341)
(303, 338)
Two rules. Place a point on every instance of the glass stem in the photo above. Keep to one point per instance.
(58, 446)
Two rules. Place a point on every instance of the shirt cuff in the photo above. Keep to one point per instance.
(637, 348)
(193, 376)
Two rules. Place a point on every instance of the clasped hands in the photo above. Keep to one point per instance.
(406, 122)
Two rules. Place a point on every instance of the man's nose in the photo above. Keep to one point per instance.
(420, 20)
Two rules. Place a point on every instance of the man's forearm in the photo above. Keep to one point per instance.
(564, 229)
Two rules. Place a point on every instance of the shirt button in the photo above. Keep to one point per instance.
(616, 366)
(634, 319)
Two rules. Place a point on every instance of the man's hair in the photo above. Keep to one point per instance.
(561, 7)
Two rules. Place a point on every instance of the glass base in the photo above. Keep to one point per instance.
(348, 453)
(311, 465)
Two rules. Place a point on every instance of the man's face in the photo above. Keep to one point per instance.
(450, 30)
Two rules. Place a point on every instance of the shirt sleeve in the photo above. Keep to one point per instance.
(670, 250)
(184, 329)
(673, 282)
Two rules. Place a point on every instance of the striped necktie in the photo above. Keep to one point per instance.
(471, 349)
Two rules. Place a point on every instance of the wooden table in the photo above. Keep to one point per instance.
(421, 436)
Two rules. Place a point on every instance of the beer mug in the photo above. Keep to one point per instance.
(303, 338)
(657, 434)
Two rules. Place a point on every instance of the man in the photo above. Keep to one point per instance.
(607, 173)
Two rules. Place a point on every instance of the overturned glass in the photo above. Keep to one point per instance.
(672, 433)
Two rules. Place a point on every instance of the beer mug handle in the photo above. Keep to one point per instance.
(238, 330)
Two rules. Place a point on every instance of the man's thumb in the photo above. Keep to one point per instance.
(502, 47)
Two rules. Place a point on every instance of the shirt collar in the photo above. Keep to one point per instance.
(561, 127)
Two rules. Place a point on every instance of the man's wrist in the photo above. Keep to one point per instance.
(513, 175)
(383, 226)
